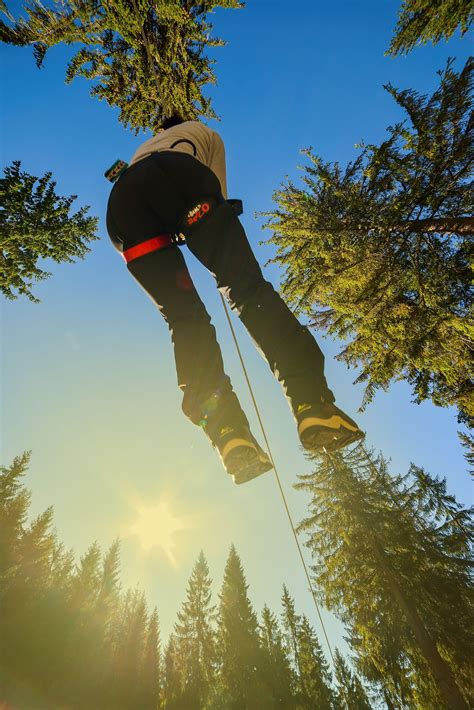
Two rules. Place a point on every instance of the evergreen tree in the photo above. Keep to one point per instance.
(378, 253)
(151, 668)
(315, 678)
(276, 665)
(291, 622)
(172, 692)
(467, 442)
(422, 21)
(130, 650)
(350, 691)
(36, 223)
(238, 642)
(68, 636)
(35, 573)
(392, 559)
(146, 58)
(195, 638)
(311, 679)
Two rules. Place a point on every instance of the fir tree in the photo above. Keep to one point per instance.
(195, 639)
(276, 665)
(311, 679)
(315, 678)
(422, 21)
(35, 573)
(172, 681)
(238, 642)
(350, 691)
(36, 223)
(146, 58)
(378, 253)
(68, 636)
(392, 559)
(151, 667)
(130, 650)
(291, 622)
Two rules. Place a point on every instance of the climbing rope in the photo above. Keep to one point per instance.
(282, 493)
(277, 476)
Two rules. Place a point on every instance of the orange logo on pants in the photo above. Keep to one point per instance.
(198, 212)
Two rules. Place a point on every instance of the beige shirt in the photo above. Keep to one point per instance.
(209, 147)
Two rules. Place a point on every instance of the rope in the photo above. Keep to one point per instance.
(282, 493)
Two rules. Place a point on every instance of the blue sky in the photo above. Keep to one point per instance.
(88, 381)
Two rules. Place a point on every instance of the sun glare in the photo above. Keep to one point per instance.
(157, 526)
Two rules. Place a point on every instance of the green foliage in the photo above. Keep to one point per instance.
(276, 669)
(311, 682)
(385, 550)
(195, 639)
(378, 253)
(422, 21)
(350, 691)
(146, 58)
(69, 637)
(35, 223)
(467, 442)
(392, 559)
(238, 641)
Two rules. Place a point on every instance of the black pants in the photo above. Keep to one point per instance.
(151, 198)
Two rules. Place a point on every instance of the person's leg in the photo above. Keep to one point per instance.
(165, 278)
(295, 358)
(208, 397)
(292, 353)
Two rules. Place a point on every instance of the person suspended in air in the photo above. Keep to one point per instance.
(175, 188)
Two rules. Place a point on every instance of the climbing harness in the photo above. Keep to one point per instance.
(192, 217)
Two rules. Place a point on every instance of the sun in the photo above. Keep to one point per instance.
(156, 526)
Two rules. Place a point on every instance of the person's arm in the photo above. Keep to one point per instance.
(217, 161)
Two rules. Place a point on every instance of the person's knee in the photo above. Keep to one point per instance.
(249, 294)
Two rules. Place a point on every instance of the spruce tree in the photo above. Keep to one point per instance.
(350, 691)
(35, 575)
(422, 21)
(195, 638)
(238, 642)
(146, 58)
(311, 677)
(392, 559)
(378, 254)
(315, 678)
(150, 676)
(68, 636)
(130, 647)
(276, 670)
(291, 622)
(172, 692)
(36, 223)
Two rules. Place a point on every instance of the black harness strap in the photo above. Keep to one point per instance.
(185, 140)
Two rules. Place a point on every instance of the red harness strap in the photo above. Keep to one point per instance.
(154, 244)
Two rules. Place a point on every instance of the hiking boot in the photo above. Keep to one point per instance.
(323, 426)
(240, 454)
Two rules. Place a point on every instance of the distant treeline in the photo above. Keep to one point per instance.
(391, 559)
(70, 638)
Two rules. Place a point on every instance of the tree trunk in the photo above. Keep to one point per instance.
(441, 672)
(452, 225)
